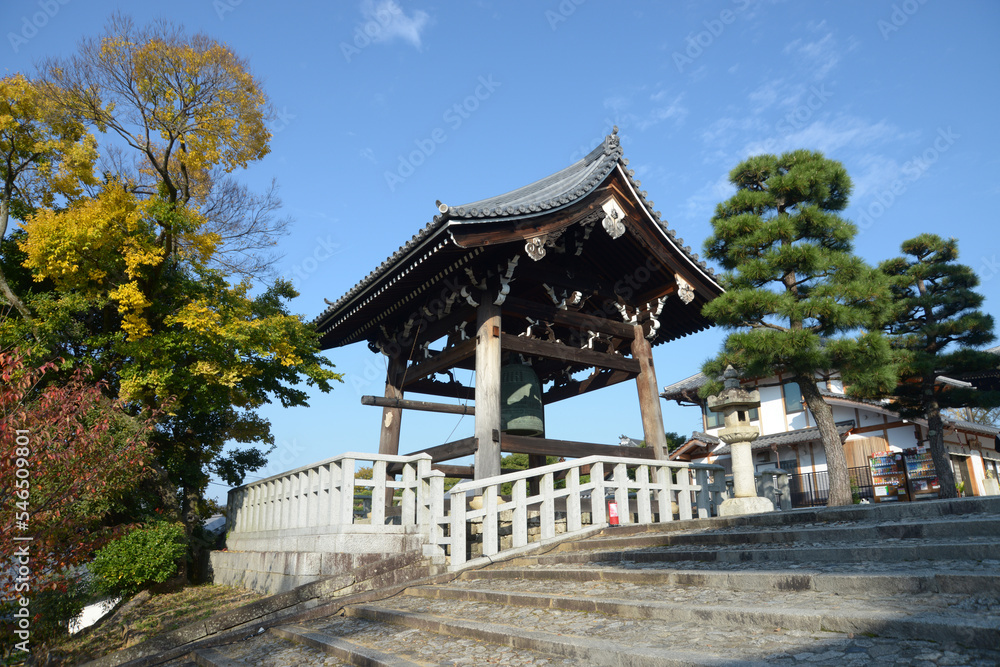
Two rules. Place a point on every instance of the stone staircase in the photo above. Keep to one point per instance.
(913, 583)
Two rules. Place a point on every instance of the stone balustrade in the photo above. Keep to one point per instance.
(321, 496)
(644, 491)
(311, 509)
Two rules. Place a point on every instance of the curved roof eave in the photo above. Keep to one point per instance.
(546, 195)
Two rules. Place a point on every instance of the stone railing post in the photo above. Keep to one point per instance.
(704, 494)
(408, 502)
(574, 520)
(547, 515)
(458, 532)
(598, 497)
(519, 529)
(621, 494)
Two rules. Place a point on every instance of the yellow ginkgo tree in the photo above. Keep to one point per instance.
(45, 153)
(132, 277)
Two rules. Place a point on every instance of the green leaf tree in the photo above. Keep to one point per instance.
(797, 299)
(936, 322)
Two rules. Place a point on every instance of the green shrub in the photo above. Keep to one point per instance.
(144, 557)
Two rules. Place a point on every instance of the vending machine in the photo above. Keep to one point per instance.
(889, 477)
(921, 474)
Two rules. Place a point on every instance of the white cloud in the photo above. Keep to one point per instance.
(673, 110)
(844, 132)
(701, 205)
(392, 22)
(819, 56)
(765, 95)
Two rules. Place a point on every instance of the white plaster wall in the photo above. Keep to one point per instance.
(772, 413)
(819, 456)
(843, 413)
(868, 418)
(902, 438)
(798, 420)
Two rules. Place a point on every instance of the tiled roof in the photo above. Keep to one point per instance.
(774, 439)
(684, 388)
(552, 192)
(548, 194)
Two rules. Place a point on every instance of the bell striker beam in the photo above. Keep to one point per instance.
(487, 390)
(649, 398)
(388, 442)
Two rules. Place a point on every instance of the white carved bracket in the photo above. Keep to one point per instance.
(628, 319)
(505, 281)
(614, 218)
(684, 289)
(472, 277)
(537, 246)
(468, 297)
(654, 316)
(567, 299)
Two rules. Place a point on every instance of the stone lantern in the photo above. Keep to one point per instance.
(735, 404)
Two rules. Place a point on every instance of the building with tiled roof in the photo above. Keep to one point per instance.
(789, 438)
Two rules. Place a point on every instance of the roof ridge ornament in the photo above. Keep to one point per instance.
(611, 141)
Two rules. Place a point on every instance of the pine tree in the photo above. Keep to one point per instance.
(936, 322)
(797, 299)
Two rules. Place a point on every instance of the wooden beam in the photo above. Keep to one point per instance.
(547, 350)
(880, 427)
(479, 234)
(522, 444)
(406, 404)
(465, 472)
(567, 318)
(444, 389)
(444, 361)
(449, 451)
(461, 472)
(578, 387)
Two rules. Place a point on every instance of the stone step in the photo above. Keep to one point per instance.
(929, 616)
(956, 508)
(900, 579)
(940, 528)
(350, 652)
(264, 649)
(973, 549)
(579, 650)
(417, 645)
(623, 633)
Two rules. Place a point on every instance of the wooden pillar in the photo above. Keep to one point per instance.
(388, 442)
(488, 390)
(649, 397)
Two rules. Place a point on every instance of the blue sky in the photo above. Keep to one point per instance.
(384, 108)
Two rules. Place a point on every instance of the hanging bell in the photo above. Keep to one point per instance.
(521, 409)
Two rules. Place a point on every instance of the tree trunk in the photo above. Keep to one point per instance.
(836, 461)
(5, 289)
(935, 438)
